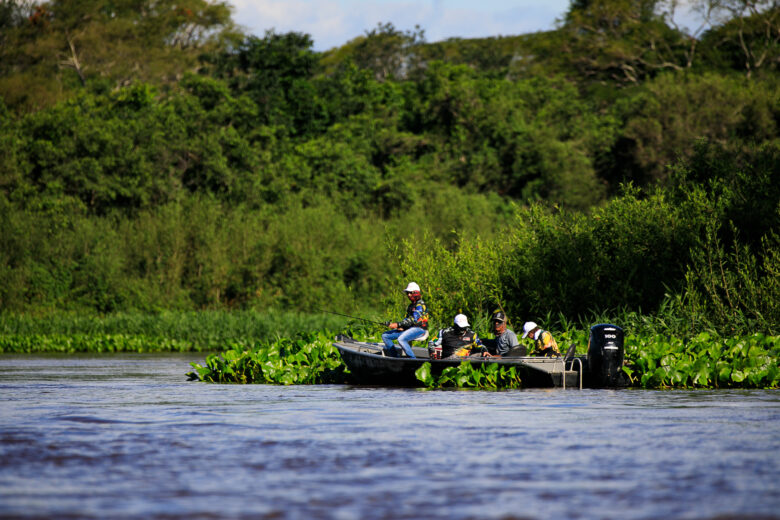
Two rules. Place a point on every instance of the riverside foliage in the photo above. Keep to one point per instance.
(307, 359)
(181, 331)
(539, 172)
(651, 362)
(616, 166)
(247, 348)
(704, 361)
(466, 375)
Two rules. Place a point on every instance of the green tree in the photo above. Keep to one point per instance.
(745, 35)
(276, 72)
(388, 52)
(664, 119)
(489, 56)
(517, 138)
(621, 41)
(61, 45)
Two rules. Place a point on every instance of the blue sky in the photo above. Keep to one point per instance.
(332, 23)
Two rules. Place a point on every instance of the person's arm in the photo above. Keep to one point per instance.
(496, 344)
(492, 345)
(400, 323)
(414, 319)
(486, 353)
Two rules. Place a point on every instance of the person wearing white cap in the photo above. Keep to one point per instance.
(544, 344)
(458, 340)
(411, 327)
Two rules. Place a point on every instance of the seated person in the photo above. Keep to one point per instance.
(544, 344)
(459, 340)
(505, 339)
(413, 326)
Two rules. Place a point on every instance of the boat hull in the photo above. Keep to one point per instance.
(369, 367)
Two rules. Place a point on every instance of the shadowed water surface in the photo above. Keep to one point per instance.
(125, 436)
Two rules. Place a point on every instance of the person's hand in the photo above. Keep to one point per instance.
(393, 325)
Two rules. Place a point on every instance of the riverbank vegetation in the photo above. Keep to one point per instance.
(307, 359)
(157, 162)
(652, 361)
(201, 331)
(290, 348)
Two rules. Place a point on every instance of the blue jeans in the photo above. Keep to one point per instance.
(404, 337)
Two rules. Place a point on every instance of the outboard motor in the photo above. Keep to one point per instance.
(605, 356)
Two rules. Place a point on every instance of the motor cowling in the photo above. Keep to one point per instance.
(605, 356)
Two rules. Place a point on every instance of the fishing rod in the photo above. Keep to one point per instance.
(384, 324)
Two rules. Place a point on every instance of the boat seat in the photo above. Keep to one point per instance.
(518, 351)
(418, 351)
(423, 337)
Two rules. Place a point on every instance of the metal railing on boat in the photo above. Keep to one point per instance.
(579, 361)
(564, 371)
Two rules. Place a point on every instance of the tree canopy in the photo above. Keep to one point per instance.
(154, 155)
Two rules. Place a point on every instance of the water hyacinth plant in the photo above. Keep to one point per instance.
(704, 361)
(466, 375)
(200, 331)
(651, 361)
(93, 343)
(307, 359)
(654, 357)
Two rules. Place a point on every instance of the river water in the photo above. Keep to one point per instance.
(126, 436)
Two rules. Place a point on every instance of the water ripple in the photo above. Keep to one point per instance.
(125, 437)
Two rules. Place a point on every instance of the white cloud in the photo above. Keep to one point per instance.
(334, 22)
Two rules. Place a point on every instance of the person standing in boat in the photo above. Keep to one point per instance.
(505, 339)
(413, 326)
(459, 340)
(544, 344)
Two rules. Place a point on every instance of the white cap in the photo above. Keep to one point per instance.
(528, 327)
(412, 287)
(461, 321)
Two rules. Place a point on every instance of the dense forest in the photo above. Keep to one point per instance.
(154, 157)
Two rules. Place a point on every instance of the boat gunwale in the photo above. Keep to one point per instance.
(538, 363)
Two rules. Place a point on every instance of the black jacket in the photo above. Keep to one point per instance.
(454, 338)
